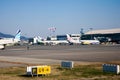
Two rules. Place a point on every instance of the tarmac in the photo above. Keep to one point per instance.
(50, 55)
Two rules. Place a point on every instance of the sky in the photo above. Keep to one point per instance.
(34, 17)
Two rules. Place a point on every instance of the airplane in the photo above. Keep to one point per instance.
(88, 42)
(40, 40)
(7, 41)
(55, 42)
(84, 42)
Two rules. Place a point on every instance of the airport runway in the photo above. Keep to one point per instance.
(55, 54)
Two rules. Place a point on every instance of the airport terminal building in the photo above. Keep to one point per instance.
(64, 37)
(108, 35)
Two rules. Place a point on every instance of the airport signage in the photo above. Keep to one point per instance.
(111, 68)
(67, 64)
(38, 70)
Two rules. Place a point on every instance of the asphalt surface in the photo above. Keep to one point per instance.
(20, 55)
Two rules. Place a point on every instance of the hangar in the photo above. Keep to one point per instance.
(106, 35)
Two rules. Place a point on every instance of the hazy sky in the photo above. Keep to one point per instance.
(34, 17)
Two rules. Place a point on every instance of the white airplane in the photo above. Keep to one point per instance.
(7, 41)
(84, 42)
(50, 42)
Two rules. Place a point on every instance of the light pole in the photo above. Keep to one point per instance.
(52, 31)
(91, 32)
(81, 31)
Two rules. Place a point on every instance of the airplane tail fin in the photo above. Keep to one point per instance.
(18, 35)
(69, 38)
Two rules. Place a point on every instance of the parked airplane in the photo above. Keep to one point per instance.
(84, 42)
(87, 42)
(49, 42)
(7, 41)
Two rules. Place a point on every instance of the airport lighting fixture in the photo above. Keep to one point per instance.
(91, 32)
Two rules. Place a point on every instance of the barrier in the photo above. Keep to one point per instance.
(111, 68)
(67, 64)
(38, 70)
